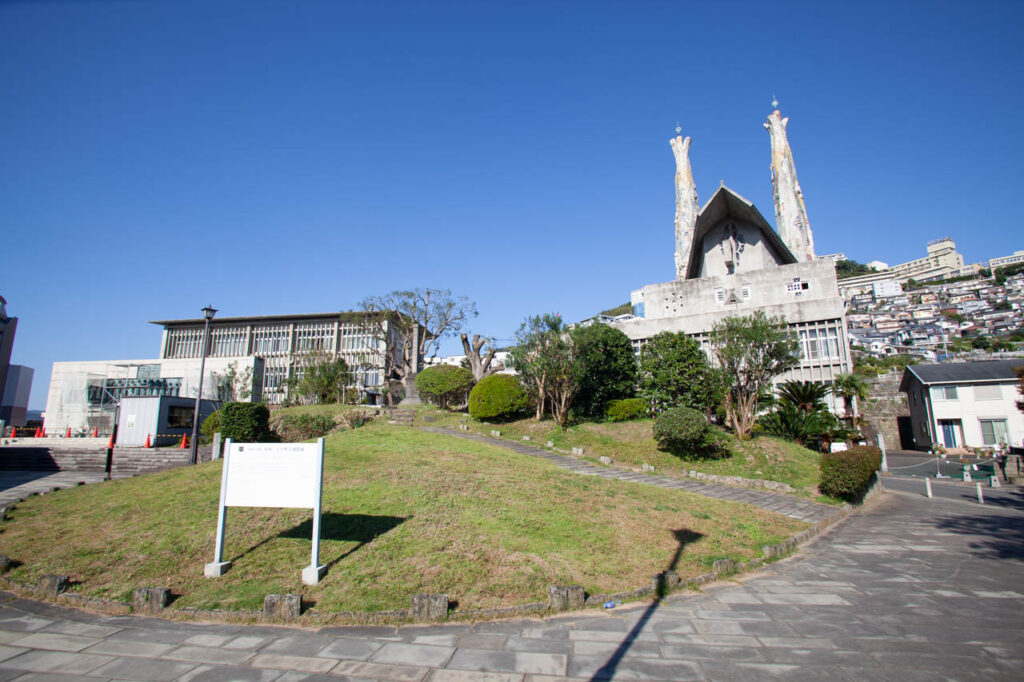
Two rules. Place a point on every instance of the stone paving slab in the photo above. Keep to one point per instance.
(787, 505)
(904, 589)
(17, 485)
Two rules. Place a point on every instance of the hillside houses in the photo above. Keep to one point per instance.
(926, 321)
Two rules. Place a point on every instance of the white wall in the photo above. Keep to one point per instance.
(971, 411)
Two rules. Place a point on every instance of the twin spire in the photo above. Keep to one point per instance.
(790, 213)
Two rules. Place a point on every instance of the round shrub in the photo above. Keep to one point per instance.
(847, 475)
(498, 397)
(209, 426)
(626, 409)
(245, 422)
(682, 431)
(445, 385)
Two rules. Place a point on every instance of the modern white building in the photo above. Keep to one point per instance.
(942, 261)
(964, 405)
(730, 262)
(261, 352)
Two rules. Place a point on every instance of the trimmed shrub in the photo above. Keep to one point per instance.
(626, 409)
(209, 426)
(499, 397)
(245, 422)
(685, 432)
(291, 427)
(846, 475)
(445, 385)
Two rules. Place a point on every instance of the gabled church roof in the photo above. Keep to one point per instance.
(723, 204)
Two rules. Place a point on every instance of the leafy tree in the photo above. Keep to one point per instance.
(531, 337)
(319, 378)
(410, 324)
(850, 268)
(851, 388)
(233, 385)
(674, 372)
(607, 368)
(445, 385)
(481, 365)
(546, 357)
(751, 351)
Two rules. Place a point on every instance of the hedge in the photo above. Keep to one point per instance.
(292, 428)
(245, 422)
(626, 409)
(445, 385)
(847, 474)
(499, 397)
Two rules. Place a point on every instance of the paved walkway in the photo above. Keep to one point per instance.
(906, 589)
(780, 503)
(17, 485)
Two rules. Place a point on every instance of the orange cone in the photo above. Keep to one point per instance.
(14, 432)
(39, 433)
(110, 443)
(96, 432)
(44, 432)
(68, 434)
(184, 441)
(147, 445)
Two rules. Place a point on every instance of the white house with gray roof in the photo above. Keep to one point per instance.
(965, 404)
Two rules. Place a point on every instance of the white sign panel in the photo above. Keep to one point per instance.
(273, 475)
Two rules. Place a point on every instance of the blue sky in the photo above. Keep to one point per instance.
(287, 157)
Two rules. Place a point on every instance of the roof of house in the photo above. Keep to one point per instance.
(985, 371)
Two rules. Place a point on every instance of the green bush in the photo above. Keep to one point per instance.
(685, 432)
(209, 426)
(626, 409)
(246, 422)
(499, 397)
(847, 474)
(445, 385)
(607, 368)
(291, 427)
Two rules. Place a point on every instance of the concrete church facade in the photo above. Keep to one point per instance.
(730, 262)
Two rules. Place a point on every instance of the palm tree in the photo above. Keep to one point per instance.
(804, 396)
(850, 387)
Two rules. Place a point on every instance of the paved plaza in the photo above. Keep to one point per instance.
(905, 589)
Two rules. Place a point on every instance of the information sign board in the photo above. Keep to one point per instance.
(288, 475)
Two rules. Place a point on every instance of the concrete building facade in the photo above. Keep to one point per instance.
(738, 264)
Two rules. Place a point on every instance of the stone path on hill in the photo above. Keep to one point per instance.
(905, 589)
(788, 505)
(17, 485)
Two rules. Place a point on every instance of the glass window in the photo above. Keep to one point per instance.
(988, 392)
(944, 393)
(180, 417)
(993, 431)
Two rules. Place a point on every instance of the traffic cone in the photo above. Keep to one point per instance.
(14, 432)
(44, 432)
(184, 442)
(68, 434)
(96, 432)
(147, 445)
(39, 432)
(110, 443)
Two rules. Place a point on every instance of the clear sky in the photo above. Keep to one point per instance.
(290, 157)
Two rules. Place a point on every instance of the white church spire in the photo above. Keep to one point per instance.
(686, 203)
(790, 212)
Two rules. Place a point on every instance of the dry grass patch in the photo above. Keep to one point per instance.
(404, 512)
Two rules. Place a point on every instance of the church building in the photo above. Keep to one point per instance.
(730, 262)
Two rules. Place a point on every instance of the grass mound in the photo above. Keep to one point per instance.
(404, 512)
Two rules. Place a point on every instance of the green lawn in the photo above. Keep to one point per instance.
(404, 512)
(631, 444)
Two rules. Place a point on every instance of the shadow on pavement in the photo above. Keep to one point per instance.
(684, 536)
(996, 536)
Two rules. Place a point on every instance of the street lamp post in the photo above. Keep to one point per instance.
(208, 313)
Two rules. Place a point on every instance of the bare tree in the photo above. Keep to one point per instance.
(480, 364)
(411, 324)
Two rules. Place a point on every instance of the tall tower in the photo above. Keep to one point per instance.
(790, 212)
(686, 203)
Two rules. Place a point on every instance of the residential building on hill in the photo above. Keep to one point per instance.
(964, 404)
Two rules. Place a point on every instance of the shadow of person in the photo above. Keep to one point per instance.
(684, 537)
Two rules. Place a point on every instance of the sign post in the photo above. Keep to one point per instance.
(288, 475)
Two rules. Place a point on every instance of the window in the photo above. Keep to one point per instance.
(988, 392)
(945, 393)
(745, 292)
(180, 416)
(993, 431)
(720, 295)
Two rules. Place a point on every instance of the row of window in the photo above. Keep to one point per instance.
(981, 392)
(268, 340)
